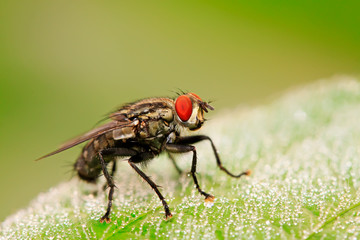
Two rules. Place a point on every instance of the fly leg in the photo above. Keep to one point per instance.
(140, 158)
(111, 184)
(109, 178)
(178, 169)
(198, 138)
(177, 148)
(113, 170)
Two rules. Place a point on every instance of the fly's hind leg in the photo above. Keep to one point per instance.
(109, 177)
(143, 157)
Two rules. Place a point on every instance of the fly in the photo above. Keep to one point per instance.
(141, 131)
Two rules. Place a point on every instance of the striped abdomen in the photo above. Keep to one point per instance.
(88, 165)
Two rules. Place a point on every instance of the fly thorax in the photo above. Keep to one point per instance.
(125, 132)
(154, 128)
(182, 130)
(166, 114)
(171, 138)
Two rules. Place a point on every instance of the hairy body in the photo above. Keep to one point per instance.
(141, 131)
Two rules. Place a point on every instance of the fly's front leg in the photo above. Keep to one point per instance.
(109, 179)
(177, 148)
(140, 158)
(198, 138)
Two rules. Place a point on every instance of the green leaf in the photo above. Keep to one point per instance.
(303, 150)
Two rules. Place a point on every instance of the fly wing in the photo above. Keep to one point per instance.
(111, 126)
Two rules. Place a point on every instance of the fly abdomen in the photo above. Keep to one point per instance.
(85, 171)
(88, 164)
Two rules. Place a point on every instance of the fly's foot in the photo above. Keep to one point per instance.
(248, 172)
(209, 200)
(168, 215)
(105, 218)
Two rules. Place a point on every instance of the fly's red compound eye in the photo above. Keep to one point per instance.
(195, 95)
(183, 107)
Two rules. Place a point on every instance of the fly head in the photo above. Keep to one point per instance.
(190, 110)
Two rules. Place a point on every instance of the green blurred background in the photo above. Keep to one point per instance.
(64, 64)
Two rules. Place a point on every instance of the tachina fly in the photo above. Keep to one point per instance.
(141, 131)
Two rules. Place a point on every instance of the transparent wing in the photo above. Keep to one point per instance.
(111, 126)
